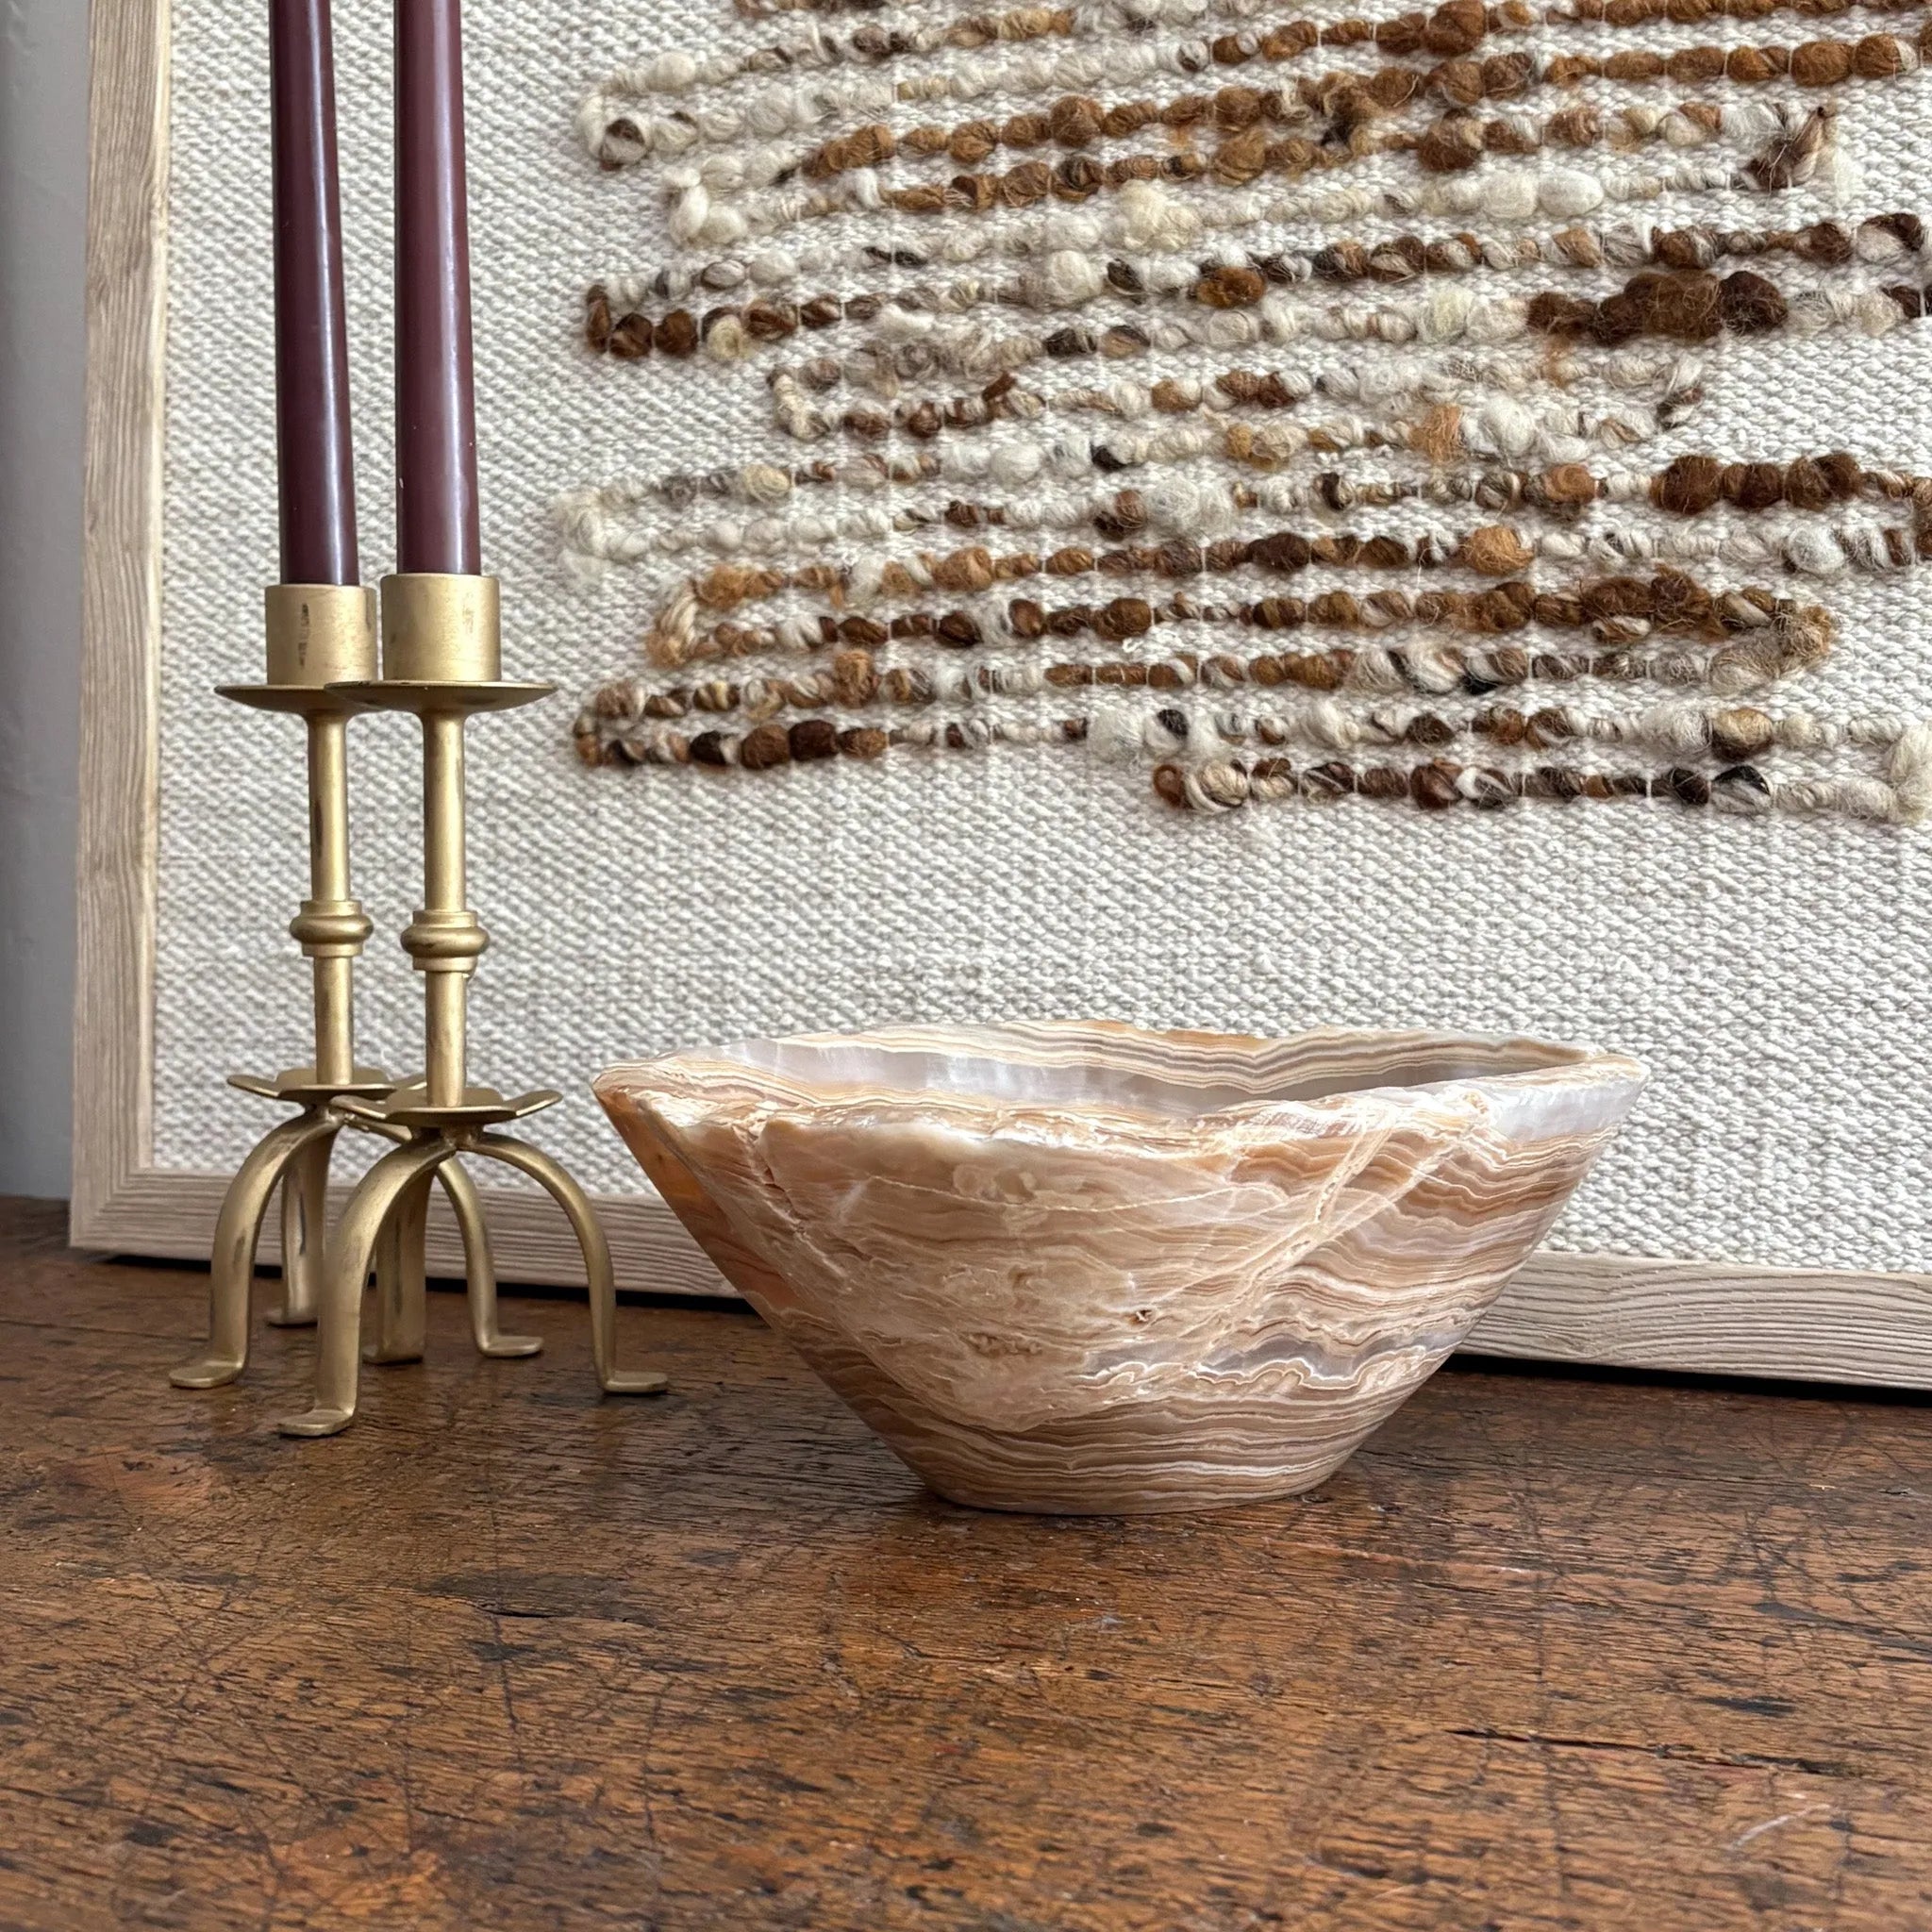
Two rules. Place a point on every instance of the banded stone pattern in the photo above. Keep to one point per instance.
(1081, 1266)
(1292, 400)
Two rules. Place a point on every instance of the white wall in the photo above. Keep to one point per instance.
(42, 232)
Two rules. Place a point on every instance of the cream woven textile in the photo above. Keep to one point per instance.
(1770, 964)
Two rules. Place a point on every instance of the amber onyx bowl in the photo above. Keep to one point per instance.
(1082, 1267)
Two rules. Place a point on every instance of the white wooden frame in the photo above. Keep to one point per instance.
(1816, 1324)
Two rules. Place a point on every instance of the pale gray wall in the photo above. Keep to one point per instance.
(42, 234)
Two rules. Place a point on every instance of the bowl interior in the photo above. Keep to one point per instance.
(1174, 1076)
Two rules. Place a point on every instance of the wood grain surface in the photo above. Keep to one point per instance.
(1550, 1652)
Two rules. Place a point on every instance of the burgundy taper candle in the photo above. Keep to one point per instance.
(437, 524)
(312, 432)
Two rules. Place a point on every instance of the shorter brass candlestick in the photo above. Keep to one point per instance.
(319, 635)
(443, 661)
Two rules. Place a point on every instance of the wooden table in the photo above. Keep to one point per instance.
(1550, 1652)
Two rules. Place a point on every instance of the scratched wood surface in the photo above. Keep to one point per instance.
(1549, 1652)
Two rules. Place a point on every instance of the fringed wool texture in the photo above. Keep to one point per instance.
(1064, 278)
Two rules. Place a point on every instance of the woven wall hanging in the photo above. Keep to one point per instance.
(1217, 514)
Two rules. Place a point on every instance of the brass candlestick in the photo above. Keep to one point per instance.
(441, 660)
(318, 635)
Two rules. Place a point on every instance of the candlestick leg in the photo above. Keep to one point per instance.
(351, 1253)
(556, 1180)
(402, 1287)
(479, 1266)
(480, 1260)
(231, 1271)
(304, 1227)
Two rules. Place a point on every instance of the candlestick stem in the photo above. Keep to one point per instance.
(332, 928)
(446, 938)
(445, 881)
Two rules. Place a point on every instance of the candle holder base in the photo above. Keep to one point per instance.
(384, 1217)
(304, 1087)
(408, 1105)
(295, 1158)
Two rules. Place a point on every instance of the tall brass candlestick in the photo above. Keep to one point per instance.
(317, 636)
(441, 660)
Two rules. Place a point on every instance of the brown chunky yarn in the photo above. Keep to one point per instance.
(1286, 398)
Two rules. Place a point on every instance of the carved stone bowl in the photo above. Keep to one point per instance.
(1082, 1267)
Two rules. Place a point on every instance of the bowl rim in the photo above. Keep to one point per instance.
(1561, 1065)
